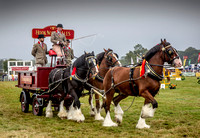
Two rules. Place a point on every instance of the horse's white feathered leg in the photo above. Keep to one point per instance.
(62, 111)
(70, 112)
(118, 114)
(108, 121)
(92, 112)
(142, 124)
(98, 115)
(78, 116)
(75, 114)
(147, 111)
(49, 112)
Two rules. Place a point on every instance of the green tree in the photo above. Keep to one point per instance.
(192, 54)
(1, 64)
(138, 50)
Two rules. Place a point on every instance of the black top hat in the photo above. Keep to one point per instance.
(59, 25)
(68, 41)
(41, 36)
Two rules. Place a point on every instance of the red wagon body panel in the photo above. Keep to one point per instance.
(34, 80)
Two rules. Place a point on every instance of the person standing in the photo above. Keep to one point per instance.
(59, 40)
(39, 51)
(69, 53)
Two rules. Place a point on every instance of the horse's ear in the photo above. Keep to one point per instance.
(84, 52)
(105, 50)
(161, 41)
(92, 52)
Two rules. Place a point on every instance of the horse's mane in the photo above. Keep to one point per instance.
(152, 52)
(100, 57)
(79, 61)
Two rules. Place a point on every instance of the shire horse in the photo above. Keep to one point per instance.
(68, 85)
(144, 83)
(105, 61)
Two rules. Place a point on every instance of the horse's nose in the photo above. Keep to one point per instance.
(180, 62)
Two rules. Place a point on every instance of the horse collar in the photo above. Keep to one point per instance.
(98, 77)
(152, 73)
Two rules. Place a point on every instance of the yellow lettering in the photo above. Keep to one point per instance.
(53, 28)
(67, 33)
(37, 32)
(48, 32)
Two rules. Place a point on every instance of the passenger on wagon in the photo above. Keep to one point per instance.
(39, 51)
(69, 53)
(59, 40)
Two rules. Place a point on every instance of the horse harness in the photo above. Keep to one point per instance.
(109, 59)
(99, 78)
(152, 73)
(149, 71)
(169, 52)
(132, 82)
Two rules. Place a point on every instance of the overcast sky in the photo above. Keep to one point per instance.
(119, 25)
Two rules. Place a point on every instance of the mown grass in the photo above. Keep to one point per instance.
(178, 115)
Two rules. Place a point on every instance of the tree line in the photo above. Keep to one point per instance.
(192, 54)
(138, 51)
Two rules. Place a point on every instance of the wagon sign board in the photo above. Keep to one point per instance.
(47, 32)
(26, 79)
(19, 68)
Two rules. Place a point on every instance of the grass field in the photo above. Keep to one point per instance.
(178, 115)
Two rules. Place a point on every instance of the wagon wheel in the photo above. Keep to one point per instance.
(37, 109)
(24, 99)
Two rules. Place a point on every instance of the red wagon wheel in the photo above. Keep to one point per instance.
(37, 109)
(24, 99)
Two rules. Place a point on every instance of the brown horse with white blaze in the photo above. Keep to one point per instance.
(105, 60)
(141, 81)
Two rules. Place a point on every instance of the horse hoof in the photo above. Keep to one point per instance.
(147, 126)
(142, 127)
(62, 115)
(92, 114)
(118, 119)
(62, 118)
(49, 114)
(79, 121)
(110, 125)
(99, 118)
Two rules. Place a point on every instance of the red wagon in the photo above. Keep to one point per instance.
(35, 89)
(34, 84)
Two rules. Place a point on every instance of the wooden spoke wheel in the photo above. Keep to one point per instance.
(37, 109)
(24, 99)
